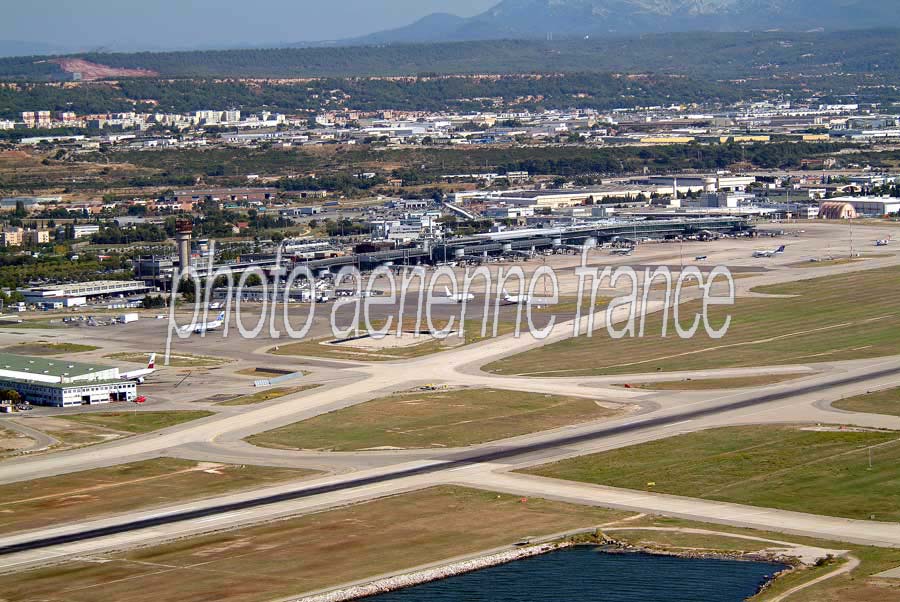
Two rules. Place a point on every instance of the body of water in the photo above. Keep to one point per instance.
(584, 574)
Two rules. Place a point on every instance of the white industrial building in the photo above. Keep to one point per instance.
(700, 183)
(870, 205)
(62, 383)
(84, 290)
(731, 200)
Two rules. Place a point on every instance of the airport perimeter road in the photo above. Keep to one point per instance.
(662, 414)
(861, 532)
(476, 467)
(374, 381)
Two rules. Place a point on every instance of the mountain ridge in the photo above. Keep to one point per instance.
(528, 19)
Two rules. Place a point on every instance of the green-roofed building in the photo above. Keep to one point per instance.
(63, 383)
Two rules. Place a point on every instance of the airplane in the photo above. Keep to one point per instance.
(769, 252)
(201, 328)
(622, 251)
(523, 254)
(881, 243)
(700, 258)
(138, 376)
(515, 299)
(458, 297)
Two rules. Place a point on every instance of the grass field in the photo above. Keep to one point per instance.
(821, 472)
(70, 433)
(286, 558)
(102, 491)
(678, 542)
(879, 402)
(137, 422)
(450, 418)
(856, 587)
(819, 320)
(38, 323)
(824, 263)
(707, 384)
(266, 395)
(45, 348)
(180, 360)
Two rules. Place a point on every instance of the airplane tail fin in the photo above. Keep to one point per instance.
(221, 317)
(447, 291)
(152, 363)
(780, 249)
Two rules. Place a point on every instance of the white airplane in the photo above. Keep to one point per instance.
(769, 252)
(201, 328)
(138, 376)
(515, 299)
(458, 297)
(622, 251)
(882, 243)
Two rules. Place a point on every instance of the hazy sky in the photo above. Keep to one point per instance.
(150, 24)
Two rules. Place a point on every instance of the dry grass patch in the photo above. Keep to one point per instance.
(94, 493)
(706, 384)
(138, 422)
(448, 418)
(816, 320)
(880, 402)
(289, 557)
(47, 348)
(176, 360)
(267, 395)
(13, 441)
(821, 471)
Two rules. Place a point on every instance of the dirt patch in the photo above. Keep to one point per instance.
(11, 443)
(92, 71)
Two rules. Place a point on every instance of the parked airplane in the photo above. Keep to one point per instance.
(769, 252)
(515, 299)
(882, 242)
(622, 251)
(201, 328)
(458, 297)
(139, 375)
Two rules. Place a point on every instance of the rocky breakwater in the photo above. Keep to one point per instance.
(389, 584)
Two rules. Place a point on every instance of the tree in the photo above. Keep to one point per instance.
(20, 210)
(153, 302)
(11, 396)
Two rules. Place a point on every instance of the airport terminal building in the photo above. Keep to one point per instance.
(62, 383)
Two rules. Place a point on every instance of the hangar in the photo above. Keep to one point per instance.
(62, 383)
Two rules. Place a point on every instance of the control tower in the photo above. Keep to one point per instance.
(183, 231)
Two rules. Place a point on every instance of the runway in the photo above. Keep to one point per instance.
(365, 475)
(440, 470)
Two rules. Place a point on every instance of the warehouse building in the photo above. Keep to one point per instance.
(89, 290)
(62, 383)
(870, 205)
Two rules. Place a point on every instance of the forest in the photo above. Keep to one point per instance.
(579, 90)
(709, 54)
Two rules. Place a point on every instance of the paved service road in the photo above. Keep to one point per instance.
(366, 475)
(261, 505)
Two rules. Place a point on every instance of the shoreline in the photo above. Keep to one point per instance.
(403, 581)
(604, 544)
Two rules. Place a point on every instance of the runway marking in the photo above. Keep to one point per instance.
(219, 517)
(430, 467)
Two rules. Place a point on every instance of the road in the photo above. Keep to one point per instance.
(360, 476)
